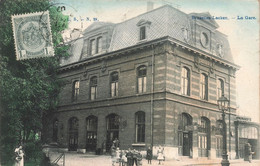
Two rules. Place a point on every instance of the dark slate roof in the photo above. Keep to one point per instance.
(75, 50)
(164, 21)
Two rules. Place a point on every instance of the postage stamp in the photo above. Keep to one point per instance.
(32, 35)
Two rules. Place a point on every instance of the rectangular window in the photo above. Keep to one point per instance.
(75, 90)
(142, 33)
(93, 92)
(185, 81)
(114, 89)
(99, 44)
(203, 87)
(92, 47)
(140, 126)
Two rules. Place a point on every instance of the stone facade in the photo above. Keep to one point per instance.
(182, 122)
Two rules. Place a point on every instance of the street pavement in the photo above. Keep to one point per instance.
(76, 159)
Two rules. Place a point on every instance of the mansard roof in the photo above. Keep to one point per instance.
(166, 21)
(96, 25)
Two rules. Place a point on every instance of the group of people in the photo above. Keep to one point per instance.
(132, 157)
(126, 157)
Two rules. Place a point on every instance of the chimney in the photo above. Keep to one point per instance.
(149, 6)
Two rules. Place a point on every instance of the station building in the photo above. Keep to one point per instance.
(151, 80)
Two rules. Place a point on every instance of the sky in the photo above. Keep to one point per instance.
(243, 35)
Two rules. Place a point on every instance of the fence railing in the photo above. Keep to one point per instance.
(61, 156)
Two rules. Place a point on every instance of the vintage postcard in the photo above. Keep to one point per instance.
(147, 82)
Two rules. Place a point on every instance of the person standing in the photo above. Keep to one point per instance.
(19, 156)
(139, 158)
(129, 157)
(160, 155)
(149, 155)
(123, 159)
(135, 154)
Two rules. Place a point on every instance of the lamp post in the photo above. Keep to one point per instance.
(223, 106)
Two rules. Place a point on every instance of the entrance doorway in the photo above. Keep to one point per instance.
(185, 137)
(187, 141)
(91, 141)
(112, 130)
(73, 134)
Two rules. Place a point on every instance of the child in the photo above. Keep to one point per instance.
(160, 154)
(149, 155)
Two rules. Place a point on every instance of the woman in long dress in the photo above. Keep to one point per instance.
(160, 154)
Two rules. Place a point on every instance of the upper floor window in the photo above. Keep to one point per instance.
(142, 33)
(93, 88)
(75, 92)
(99, 44)
(141, 79)
(114, 84)
(185, 81)
(143, 25)
(204, 86)
(140, 126)
(220, 88)
(93, 47)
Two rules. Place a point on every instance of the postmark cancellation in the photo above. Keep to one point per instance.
(32, 35)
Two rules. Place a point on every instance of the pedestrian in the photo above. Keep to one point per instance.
(19, 156)
(135, 154)
(129, 156)
(160, 155)
(139, 159)
(149, 155)
(123, 159)
(113, 155)
(116, 143)
(117, 155)
(248, 152)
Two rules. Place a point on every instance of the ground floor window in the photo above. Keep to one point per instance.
(202, 145)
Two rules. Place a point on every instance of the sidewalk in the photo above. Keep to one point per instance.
(75, 159)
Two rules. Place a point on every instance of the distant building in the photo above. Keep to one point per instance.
(148, 81)
(246, 132)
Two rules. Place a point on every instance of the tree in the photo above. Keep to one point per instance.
(29, 89)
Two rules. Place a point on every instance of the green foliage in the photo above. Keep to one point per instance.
(29, 89)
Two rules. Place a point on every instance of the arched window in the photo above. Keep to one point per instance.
(99, 44)
(93, 88)
(55, 130)
(140, 126)
(220, 88)
(204, 86)
(75, 92)
(185, 81)
(204, 137)
(141, 79)
(114, 84)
